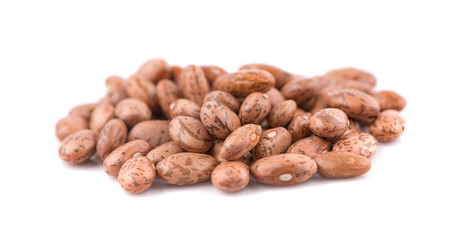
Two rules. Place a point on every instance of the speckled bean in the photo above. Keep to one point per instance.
(212, 72)
(329, 123)
(186, 168)
(184, 107)
(361, 143)
(255, 108)
(223, 98)
(113, 162)
(140, 88)
(132, 111)
(354, 103)
(281, 76)
(273, 141)
(167, 91)
(388, 126)
(154, 70)
(195, 86)
(218, 119)
(300, 89)
(70, 124)
(352, 74)
(298, 127)
(190, 134)
(100, 116)
(241, 141)
(163, 151)
(115, 86)
(230, 176)
(137, 174)
(244, 82)
(389, 100)
(283, 169)
(78, 146)
(311, 146)
(282, 114)
(155, 132)
(113, 134)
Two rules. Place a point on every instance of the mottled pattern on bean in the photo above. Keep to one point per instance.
(218, 119)
(311, 146)
(78, 146)
(354, 103)
(273, 141)
(361, 143)
(230, 176)
(255, 108)
(388, 126)
(137, 174)
(186, 168)
(283, 169)
(190, 134)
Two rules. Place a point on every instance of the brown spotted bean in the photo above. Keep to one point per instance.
(137, 174)
(186, 168)
(388, 126)
(223, 98)
(184, 107)
(230, 176)
(70, 124)
(283, 169)
(113, 134)
(255, 108)
(195, 86)
(190, 134)
(245, 82)
(155, 132)
(163, 151)
(361, 143)
(218, 119)
(311, 146)
(78, 146)
(241, 141)
(132, 111)
(389, 100)
(154, 70)
(354, 103)
(273, 141)
(113, 162)
(329, 123)
(281, 76)
(281, 114)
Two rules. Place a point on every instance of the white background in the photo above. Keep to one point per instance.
(54, 55)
